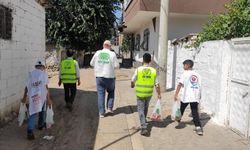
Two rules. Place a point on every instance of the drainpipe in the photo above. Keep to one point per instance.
(163, 44)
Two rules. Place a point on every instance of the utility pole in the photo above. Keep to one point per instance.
(163, 44)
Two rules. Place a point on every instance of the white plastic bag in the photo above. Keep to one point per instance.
(156, 114)
(22, 113)
(49, 117)
(176, 112)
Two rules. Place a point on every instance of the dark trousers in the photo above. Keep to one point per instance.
(69, 92)
(194, 110)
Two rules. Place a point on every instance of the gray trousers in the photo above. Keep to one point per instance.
(142, 108)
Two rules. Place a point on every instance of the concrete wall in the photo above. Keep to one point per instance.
(213, 61)
(18, 55)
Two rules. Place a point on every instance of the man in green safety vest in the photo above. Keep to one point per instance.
(69, 75)
(145, 79)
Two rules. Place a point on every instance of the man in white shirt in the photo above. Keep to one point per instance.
(191, 92)
(37, 91)
(104, 62)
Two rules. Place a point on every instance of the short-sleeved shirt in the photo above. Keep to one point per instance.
(104, 62)
(37, 91)
(191, 91)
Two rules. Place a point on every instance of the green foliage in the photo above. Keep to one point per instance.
(234, 23)
(126, 44)
(80, 24)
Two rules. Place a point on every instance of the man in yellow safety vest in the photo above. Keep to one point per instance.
(145, 79)
(69, 75)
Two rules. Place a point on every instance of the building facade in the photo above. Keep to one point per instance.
(142, 18)
(22, 41)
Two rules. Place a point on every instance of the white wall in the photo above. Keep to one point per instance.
(178, 26)
(17, 56)
(213, 61)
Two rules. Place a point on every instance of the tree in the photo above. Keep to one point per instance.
(234, 23)
(80, 24)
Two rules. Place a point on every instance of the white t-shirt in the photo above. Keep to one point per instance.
(104, 61)
(37, 91)
(191, 91)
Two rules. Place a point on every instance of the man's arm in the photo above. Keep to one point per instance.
(25, 95)
(92, 62)
(116, 62)
(134, 78)
(48, 96)
(158, 91)
(177, 91)
(77, 73)
(59, 76)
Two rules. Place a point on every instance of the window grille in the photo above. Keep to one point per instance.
(137, 42)
(5, 22)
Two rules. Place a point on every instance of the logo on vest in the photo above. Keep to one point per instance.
(67, 65)
(146, 73)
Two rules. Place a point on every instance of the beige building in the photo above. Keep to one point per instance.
(22, 41)
(142, 19)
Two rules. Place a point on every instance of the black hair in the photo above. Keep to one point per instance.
(189, 62)
(146, 58)
(70, 53)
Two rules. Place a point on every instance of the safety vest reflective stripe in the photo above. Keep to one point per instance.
(144, 92)
(145, 81)
(145, 86)
(68, 71)
(68, 74)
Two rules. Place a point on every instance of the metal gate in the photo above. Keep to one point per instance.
(239, 110)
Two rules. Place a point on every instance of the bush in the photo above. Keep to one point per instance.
(234, 23)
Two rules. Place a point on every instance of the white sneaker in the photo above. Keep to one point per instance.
(101, 116)
(198, 131)
(110, 111)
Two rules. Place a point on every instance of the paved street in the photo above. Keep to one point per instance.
(82, 129)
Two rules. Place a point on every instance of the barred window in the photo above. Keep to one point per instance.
(137, 42)
(5, 22)
(145, 43)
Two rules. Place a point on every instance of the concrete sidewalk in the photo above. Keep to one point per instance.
(121, 130)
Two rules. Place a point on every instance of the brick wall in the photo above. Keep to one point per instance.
(17, 56)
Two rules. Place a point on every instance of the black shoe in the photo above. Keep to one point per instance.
(30, 136)
(42, 126)
(70, 107)
(144, 132)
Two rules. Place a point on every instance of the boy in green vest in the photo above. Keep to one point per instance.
(144, 80)
(69, 75)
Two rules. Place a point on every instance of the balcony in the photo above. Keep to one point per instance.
(138, 13)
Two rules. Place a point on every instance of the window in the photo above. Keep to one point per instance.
(5, 22)
(145, 42)
(137, 42)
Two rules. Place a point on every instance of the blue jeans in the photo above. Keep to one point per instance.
(103, 85)
(32, 118)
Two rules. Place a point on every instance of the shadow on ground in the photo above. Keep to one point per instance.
(159, 124)
(74, 130)
(125, 110)
(204, 118)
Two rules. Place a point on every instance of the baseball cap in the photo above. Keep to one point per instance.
(40, 62)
